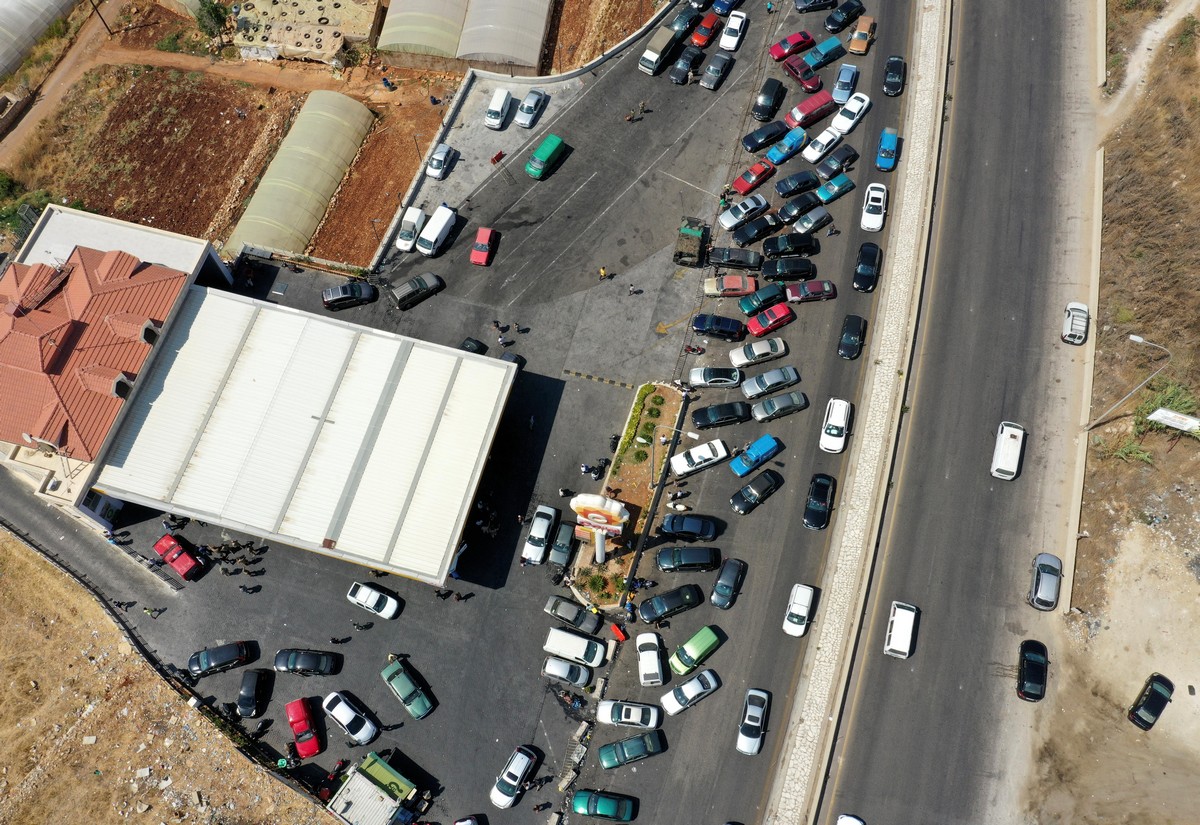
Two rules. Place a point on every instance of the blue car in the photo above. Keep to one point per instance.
(759, 452)
(824, 53)
(835, 188)
(725, 6)
(789, 144)
(718, 326)
(889, 142)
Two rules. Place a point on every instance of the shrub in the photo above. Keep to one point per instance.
(639, 456)
(653, 412)
(210, 17)
(170, 43)
(658, 400)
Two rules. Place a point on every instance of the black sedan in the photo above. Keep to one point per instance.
(731, 258)
(840, 160)
(867, 267)
(688, 527)
(666, 605)
(718, 326)
(797, 183)
(1152, 701)
(789, 269)
(854, 330)
(792, 245)
(686, 65)
(1033, 668)
(718, 415)
(764, 136)
(893, 75)
(815, 5)
(305, 662)
(844, 15)
(798, 205)
(768, 100)
(756, 492)
(757, 229)
(820, 502)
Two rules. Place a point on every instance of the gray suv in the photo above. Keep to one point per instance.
(687, 559)
(1047, 579)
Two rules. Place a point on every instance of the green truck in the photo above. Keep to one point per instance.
(689, 245)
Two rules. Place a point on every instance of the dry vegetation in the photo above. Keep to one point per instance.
(48, 51)
(1126, 21)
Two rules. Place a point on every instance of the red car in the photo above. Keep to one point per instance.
(795, 68)
(308, 744)
(753, 177)
(481, 250)
(805, 291)
(181, 561)
(791, 44)
(707, 30)
(770, 320)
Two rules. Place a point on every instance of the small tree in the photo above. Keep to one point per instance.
(211, 17)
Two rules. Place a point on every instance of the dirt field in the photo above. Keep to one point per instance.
(70, 674)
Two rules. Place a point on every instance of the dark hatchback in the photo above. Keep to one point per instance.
(854, 330)
(305, 662)
(820, 502)
(730, 258)
(1033, 668)
(757, 229)
(789, 269)
(798, 205)
(687, 559)
(815, 5)
(689, 60)
(688, 527)
(756, 492)
(665, 605)
(792, 245)
(348, 295)
(797, 183)
(768, 100)
(254, 684)
(844, 15)
(1152, 701)
(867, 267)
(215, 659)
(718, 415)
(718, 326)
(764, 136)
(840, 160)
(893, 75)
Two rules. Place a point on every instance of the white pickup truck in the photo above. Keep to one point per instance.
(1075, 323)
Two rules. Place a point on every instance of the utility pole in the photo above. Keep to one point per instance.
(96, 9)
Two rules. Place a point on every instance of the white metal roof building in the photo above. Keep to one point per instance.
(300, 428)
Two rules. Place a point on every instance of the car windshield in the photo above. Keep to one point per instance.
(796, 618)
(834, 430)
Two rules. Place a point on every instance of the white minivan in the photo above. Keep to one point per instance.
(410, 228)
(430, 241)
(575, 647)
(1006, 458)
(902, 624)
(497, 110)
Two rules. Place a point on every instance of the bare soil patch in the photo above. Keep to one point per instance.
(582, 30)
(1126, 20)
(69, 674)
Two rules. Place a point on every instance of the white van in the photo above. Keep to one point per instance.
(1006, 458)
(901, 624)
(410, 227)
(430, 241)
(574, 647)
(497, 110)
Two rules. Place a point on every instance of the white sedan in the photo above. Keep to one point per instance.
(540, 527)
(629, 714)
(758, 352)
(371, 598)
(754, 722)
(742, 211)
(735, 29)
(799, 610)
(836, 426)
(690, 692)
(874, 207)
(698, 458)
(649, 653)
(349, 718)
(821, 145)
(849, 116)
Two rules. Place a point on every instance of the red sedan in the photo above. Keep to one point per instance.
(481, 250)
(753, 177)
(181, 561)
(770, 320)
(791, 44)
(795, 68)
(308, 744)
(707, 30)
(802, 293)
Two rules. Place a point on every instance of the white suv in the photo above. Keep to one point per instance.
(649, 654)
(836, 426)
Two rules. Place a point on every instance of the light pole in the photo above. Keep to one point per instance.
(1137, 339)
(417, 145)
(651, 442)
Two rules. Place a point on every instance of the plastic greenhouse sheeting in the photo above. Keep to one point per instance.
(310, 164)
(504, 31)
(423, 27)
(22, 24)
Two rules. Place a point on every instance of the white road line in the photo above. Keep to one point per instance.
(543, 222)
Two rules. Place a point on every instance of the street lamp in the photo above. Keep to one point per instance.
(651, 442)
(1137, 339)
(416, 144)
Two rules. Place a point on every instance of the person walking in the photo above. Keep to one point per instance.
(459, 597)
(358, 626)
(244, 588)
(642, 108)
(603, 274)
(152, 612)
(632, 289)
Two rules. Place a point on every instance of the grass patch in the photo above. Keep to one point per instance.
(1167, 394)
(170, 43)
(1127, 19)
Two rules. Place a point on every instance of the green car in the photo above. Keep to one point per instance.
(756, 302)
(694, 651)
(402, 683)
(835, 188)
(616, 754)
(603, 805)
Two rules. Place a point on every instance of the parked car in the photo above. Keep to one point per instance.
(688, 527)
(840, 160)
(747, 499)
(687, 559)
(728, 584)
(569, 673)
(834, 188)
(854, 331)
(707, 30)
(485, 242)
(867, 267)
(348, 295)
(1047, 580)
(770, 381)
(1151, 702)
(760, 299)
(182, 561)
(730, 257)
(754, 722)
(813, 220)
(714, 71)
(753, 177)
(792, 245)
(649, 654)
(698, 458)
(725, 7)
(807, 291)
(885, 155)
(714, 377)
(820, 501)
(439, 161)
(789, 269)
(405, 687)
(863, 36)
(874, 207)
(686, 18)
(729, 286)
(777, 406)
(572, 614)
(763, 136)
(1075, 324)
(665, 605)
(769, 320)
(760, 451)
(373, 600)
(735, 29)
(788, 146)
(305, 662)
(815, 5)
(797, 68)
(718, 415)
(633, 749)
(692, 653)
(254, 684)
(742, 211)
(349, 718)
(529, 108)
(690, 692)
(851, 113)
(410, 227)
(300, 720)
(537, 540)
(836, 426)
(508, 784)
(797, 206)
(790, 45)
(603, 805)
(718, 326)
(893, 75)
(821, 145)
(768, 100)
(1033, 668)
(796, 184)
(799, 610)
(628, 714)
(756, 229)
(847, 79)
(685, 66)
(844, 15)
(758, 352)
(212, 660)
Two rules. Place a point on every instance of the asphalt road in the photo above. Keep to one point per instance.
(942, 737)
